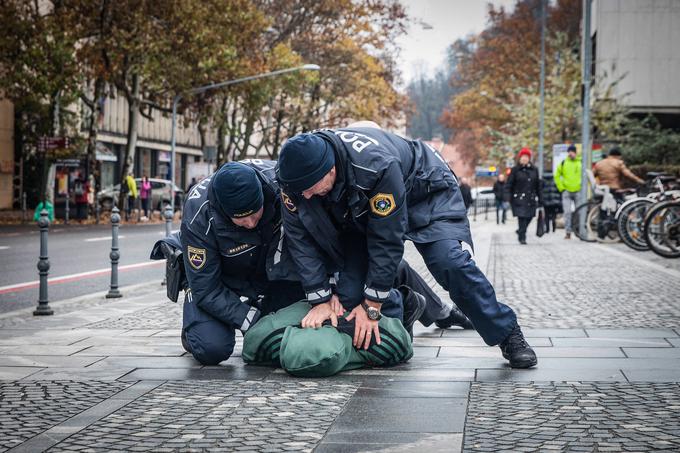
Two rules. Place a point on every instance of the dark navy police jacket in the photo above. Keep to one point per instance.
(227, 264)
(389, 189)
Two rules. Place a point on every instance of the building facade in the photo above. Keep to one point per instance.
(639, 42)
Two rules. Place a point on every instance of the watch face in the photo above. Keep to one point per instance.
(373, 314)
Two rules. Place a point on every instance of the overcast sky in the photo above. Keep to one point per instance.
(424, 50)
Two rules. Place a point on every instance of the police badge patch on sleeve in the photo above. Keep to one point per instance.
(287, 202)
(196, 257)
(382, 204)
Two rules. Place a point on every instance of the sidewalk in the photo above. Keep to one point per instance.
(111, 375)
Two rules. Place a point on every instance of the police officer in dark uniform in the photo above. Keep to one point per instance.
(362, 191)
(232, 246)
(237, 264)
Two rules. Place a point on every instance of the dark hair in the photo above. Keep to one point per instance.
(615, 152)
(571, 148)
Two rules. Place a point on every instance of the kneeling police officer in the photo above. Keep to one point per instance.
(237, 264)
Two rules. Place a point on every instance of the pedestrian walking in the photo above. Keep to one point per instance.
(522, 190)
(80, 190)
(131, 192)
(568, 182)
(145, 195)
(501, 205)
(552, 202)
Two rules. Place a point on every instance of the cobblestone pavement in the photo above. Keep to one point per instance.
(555, 283)
(29, 408)
(165, 316)
(573, 417)
(222, 416)
(552, 282)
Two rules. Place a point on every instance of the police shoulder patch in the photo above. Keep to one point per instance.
(196, 257)
(287, 202)
(382, 204)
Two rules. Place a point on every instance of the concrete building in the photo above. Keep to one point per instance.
(641, 40)
(153, 154)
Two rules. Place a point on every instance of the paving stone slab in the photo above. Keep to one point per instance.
(79, 374)
(408, 415)
(612, 342)
(413, 389)
(390, 441)
(669, 353)
(148, 362)
(12, 373)
(47, 361)
(631, 333)
(572, 416)
(546, 375)
(208, 373)
(652, 375)
(222, 415)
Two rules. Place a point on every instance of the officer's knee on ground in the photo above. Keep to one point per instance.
(209, 347)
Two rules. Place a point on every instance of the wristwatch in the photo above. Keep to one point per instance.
(372, 312)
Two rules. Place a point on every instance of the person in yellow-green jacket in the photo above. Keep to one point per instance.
(568, 182)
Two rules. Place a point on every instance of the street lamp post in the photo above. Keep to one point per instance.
(585, 132)
(213, 86)
(542, 107)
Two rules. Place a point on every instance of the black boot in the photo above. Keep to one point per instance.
(516, 350)
(414, 306)
(455, 318)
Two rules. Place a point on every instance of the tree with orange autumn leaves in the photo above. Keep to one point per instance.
(505, 57)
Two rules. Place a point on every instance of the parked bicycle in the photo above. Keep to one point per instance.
(662, 228)
(631, 215)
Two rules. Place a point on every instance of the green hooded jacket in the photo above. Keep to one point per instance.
(568, 175)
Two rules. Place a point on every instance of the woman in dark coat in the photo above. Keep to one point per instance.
(552, 201)
(522, 190)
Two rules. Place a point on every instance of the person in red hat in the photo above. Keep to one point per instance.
(522, 190)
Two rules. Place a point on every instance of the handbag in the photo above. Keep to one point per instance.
(540, 222)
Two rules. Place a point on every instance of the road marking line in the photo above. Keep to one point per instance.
(103, 238)
(4, 247)
(162, 233)
(73, 277)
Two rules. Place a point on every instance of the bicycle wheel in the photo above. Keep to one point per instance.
(630, 223)
(584, 211)
(662, 229)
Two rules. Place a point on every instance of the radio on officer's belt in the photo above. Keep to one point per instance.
(170, 249)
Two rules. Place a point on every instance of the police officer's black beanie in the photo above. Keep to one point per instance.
(303, 161)
(238, 190)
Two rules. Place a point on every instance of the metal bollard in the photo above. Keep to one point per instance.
(115, 255)
(43, 267)
(97, 207)
(67, 208)
(486, 209)
(168, 220)
(24, 212)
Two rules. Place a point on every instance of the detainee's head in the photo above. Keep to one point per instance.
(307, 166)
(615, 153)
(238, 192)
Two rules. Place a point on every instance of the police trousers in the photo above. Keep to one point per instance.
(212, 341)
(455, 270)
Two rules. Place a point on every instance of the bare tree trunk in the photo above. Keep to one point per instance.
(96, 109)
(134, 104)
